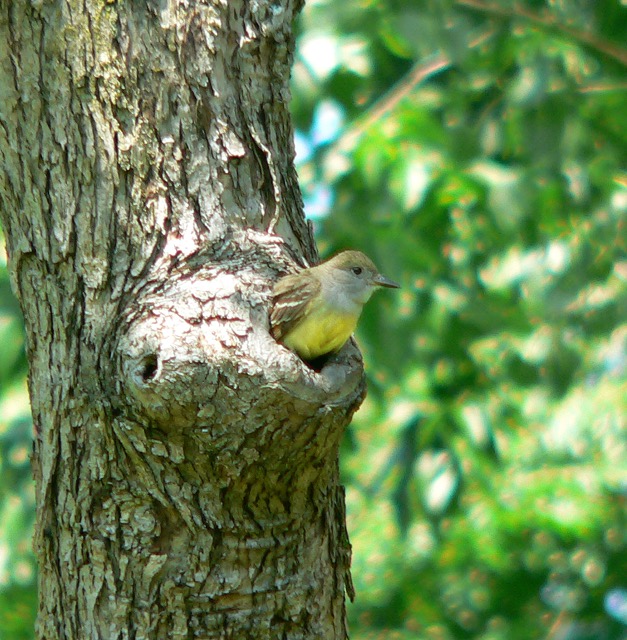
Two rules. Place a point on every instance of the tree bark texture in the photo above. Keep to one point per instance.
(186, 464)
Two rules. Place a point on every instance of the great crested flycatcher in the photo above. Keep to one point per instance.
(316, 310)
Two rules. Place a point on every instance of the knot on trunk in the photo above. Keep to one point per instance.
(196, 358)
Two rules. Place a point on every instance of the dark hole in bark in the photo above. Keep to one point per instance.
(150, 364)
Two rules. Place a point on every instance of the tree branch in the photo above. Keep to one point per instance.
(420, 72)
(548, 21)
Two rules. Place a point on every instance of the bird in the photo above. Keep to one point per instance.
(315, 311)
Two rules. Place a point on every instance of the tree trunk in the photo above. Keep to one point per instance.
(186, 464)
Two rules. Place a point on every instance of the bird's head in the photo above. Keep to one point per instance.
(353, 275)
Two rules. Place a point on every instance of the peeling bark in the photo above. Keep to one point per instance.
(186, 464)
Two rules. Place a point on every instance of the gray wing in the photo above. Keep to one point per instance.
(291, 297)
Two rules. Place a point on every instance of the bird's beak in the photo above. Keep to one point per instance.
(382, 281)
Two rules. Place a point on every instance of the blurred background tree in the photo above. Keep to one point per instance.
(477, 151)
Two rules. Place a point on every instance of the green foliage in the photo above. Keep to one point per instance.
(17, 568)
(481, 163)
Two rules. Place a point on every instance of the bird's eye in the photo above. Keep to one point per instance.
(357, 270)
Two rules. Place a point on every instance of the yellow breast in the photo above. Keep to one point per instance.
(322, 331)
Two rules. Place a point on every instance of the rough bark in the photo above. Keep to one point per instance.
(186, 464)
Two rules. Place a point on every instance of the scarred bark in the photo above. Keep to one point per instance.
(186, 464)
